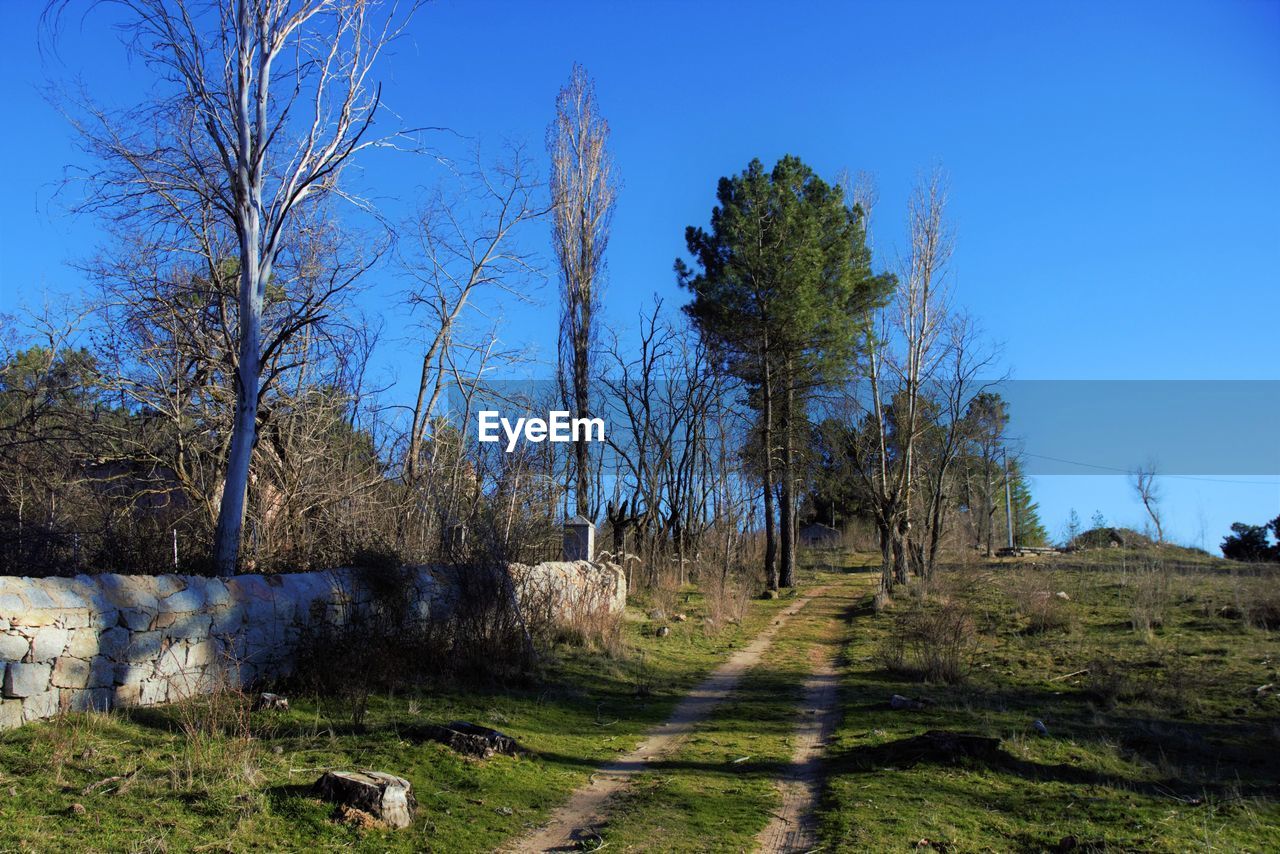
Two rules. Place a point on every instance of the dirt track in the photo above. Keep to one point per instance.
(584, 811)
(793, 828)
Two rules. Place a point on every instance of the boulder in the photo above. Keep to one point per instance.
(386, 797)
(915, 704)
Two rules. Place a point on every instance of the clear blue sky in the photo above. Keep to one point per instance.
(1114, 166)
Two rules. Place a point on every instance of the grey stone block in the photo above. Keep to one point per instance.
(104, 619)
(49, 642)
(227, 620)
(114, 642)
(184, 601)
(14, 647)
(101, 673)
(129, 591)
(188, 626)
(91, 700)
(153, 692)
(74, 618)
(83, 643)
(169, 584)
(127, 695)
(38, 599)
(145, 646)
(70, 672)
(137, 619)
(26, 680)
(131, 674)
(43, 705)
(11, 604)
(10, 714)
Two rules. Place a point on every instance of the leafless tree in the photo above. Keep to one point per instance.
(1147, 488)
(262, 104)
(465, 246)
(583, 191)
(904, 354)
(958, 384)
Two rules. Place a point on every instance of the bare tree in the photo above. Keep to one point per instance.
(465, 247)
(583, 191)
(902, 356)
(266, 102)
(958, 385)
(1147, 489)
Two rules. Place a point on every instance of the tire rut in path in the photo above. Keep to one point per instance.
(576, 820)
(793, 827)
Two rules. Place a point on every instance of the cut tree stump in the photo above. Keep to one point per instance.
(267, 700)
(472, 739)
(386, 797)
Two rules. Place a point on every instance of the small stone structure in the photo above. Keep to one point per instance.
(106, 641)
(579, 539)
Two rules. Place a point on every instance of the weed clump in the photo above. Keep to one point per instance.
(1044, 610)
(931, 641)
(1151, 596)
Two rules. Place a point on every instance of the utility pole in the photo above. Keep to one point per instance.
(1008, 500)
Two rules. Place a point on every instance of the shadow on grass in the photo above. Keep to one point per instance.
(939, 748)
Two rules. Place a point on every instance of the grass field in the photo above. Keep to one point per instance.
(1155, 736)
(1160, 740)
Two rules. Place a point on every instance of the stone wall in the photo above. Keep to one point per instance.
(106, 641)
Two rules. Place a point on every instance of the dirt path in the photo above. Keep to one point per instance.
(577, 819)
(794, 827)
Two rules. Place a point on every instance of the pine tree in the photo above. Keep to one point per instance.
(784, 284)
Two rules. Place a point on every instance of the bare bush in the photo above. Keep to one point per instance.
(1168, 681)
(1257, 600)
(1043, 609)
(1151, 594)
(577, 614)
(213, 713)
(933, 642)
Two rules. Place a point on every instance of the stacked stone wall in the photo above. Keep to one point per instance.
(108, 641)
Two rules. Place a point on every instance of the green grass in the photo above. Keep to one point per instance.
(1162, 746)
(226, 794)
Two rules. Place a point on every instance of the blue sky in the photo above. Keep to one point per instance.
(1114, 166)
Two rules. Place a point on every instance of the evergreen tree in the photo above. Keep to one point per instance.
(1027, 527)
(781, 294)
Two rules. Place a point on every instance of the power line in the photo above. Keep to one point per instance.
(1128, 471)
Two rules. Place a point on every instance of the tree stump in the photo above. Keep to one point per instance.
(386, 797)
(472, 739)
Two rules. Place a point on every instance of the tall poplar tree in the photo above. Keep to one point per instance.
(781, 291)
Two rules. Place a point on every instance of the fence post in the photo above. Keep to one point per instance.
(455, 539)
(579, 539)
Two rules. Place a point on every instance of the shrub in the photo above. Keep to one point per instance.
(1167, 681)
(1258, 599)
(931, 641)
(1151, 593)
(1042, 608)
(727, 597)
